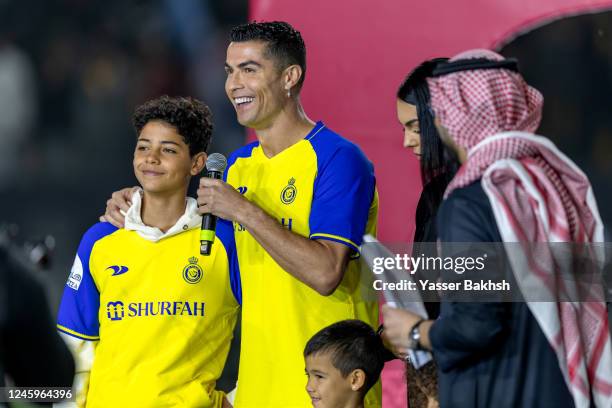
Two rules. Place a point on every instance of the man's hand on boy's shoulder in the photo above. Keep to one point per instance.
(120, 201)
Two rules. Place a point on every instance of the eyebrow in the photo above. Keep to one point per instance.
(411, 122)
(142, 139)
(244, 64)
(249, 62)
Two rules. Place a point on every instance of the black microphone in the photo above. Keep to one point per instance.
(215, 166)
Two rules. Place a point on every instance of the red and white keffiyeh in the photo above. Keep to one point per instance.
(538, 195)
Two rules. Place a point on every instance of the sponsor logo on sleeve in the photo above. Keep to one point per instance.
(76, 274)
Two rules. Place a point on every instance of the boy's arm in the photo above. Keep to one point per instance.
(77, 319)
(83, 352)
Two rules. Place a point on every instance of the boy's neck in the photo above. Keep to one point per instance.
(162, 211)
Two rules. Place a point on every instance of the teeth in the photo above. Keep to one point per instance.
(243, 99)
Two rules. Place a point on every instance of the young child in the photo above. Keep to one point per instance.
(343, 361)
(148, 318)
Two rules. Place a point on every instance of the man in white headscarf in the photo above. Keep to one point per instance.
(512, 187)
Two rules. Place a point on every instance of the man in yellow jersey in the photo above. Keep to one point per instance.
(307, 197)
(300, 197)
(149, 319)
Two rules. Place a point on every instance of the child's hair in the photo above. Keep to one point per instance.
(352, 345)
(191, 118)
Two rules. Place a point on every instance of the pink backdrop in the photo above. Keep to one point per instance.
(358, 52)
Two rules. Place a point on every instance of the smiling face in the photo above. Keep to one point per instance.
(407, 116)
(162, 163)
(327, 387)
(254, 84)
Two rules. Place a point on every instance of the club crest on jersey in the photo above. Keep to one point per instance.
(192, 273)
(289, 192)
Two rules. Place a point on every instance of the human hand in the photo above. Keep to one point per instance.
(120, 201)
(397, 324)
(219, 198)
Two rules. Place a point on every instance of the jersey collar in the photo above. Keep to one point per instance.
(133, 222)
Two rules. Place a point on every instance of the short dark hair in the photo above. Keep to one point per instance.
(283, 41)
(353, 345)
(191, 118)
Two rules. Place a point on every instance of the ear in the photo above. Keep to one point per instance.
(198, 162)
(291, 77)
(357, 378)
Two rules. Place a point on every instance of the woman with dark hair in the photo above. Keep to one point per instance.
(438, 167)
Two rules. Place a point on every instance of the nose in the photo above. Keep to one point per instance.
(152, 156)
(309, 387)
(411, 139)
(233, 82)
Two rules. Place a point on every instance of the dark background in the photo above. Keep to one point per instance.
(570, 62)
(71, 74)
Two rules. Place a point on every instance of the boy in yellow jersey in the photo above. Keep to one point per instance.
(300, 198)
(149, 319)
(343, 361)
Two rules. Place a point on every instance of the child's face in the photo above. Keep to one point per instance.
(161, 159)
(326, 386)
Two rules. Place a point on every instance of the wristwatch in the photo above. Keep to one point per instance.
(414, 336)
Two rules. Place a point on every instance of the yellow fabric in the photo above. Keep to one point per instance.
(171, 358)
(279, 313)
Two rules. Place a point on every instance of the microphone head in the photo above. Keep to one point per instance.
(216, 162)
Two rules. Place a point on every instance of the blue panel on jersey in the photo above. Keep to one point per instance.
(225, 232)
(78, 313)
(343, 190)
(244, 151)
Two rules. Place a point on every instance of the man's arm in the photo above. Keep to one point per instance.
(117, 206)
(317, 263)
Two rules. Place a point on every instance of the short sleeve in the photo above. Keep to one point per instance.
(225, 233)
(78, 312)
(343, 192)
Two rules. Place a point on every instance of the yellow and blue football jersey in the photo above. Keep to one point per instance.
(163, 315)
(322, 187)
